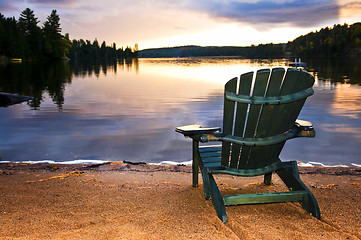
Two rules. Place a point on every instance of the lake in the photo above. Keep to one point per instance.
(128, 110)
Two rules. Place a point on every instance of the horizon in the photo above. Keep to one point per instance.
(166, 24)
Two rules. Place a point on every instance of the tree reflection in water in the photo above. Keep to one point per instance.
(37, 78)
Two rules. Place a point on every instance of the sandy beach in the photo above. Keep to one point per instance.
(125, 201)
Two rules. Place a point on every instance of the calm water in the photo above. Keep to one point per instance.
(129, 110)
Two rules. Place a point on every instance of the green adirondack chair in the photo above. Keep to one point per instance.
(260, 114)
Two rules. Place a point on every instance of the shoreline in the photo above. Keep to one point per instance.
(163, 163)
(162, 166)
(140, 201)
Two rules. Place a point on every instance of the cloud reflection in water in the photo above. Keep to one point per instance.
(129, 115)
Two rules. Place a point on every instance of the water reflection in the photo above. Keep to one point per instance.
(335, 111)
(336, 70)
(88, 68)
(39, 79)
(35, 78)
(128, 110)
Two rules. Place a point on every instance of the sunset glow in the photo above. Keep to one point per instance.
(169, 23)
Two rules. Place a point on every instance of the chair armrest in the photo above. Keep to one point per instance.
(300, 129)
(305, 128)
(192, 130)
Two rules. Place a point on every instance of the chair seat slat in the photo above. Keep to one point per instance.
(211, 159)
(250, 172)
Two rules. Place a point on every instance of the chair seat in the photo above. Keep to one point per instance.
(211, 159)
(211, 156)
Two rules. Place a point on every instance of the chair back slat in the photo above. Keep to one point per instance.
(245, 85)
(228, 116)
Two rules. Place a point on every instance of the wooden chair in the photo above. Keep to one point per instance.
(260, 114)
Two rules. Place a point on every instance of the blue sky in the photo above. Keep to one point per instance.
(155, 23)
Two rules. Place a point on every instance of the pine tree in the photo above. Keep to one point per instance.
(28, 25)
(55, 45)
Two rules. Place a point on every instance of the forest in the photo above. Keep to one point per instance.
(25, 39)
(341, 40)
(260, 51)
(92, 51)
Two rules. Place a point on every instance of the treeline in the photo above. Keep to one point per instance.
(92, 51)
(340, 40)
(260, 51)
(24, 39)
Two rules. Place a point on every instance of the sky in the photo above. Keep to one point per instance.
(168, 23)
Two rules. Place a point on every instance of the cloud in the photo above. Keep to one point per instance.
(42, 8)
(180, 22)
(6, 5)
(48, 2)
(304, 13)
(351, 10)
(51, 2)
(257, 13)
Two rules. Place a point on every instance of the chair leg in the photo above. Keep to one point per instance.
(195, 163)
(267, 179)
(290, 176)
(206, 183)
(217, 199)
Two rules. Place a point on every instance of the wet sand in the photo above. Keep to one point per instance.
(125, 201)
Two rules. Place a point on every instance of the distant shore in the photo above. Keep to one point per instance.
(137, 201)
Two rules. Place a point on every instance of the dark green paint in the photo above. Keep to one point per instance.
(257, 121)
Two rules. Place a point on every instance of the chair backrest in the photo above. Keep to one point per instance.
(261, 105)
